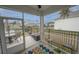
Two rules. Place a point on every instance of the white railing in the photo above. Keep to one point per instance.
(67, 39)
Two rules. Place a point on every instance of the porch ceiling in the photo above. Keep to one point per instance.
(33, 9)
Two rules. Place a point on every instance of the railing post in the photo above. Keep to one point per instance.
(78, 44)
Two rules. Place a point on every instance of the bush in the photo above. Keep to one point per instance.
(57, 50)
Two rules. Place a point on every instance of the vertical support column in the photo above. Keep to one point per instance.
(2, 37)
(41, 26)
(23, 30)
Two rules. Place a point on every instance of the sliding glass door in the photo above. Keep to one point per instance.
(2, 38)
(13, 35)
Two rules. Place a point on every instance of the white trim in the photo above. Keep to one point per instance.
(23, 30)
(41, 26)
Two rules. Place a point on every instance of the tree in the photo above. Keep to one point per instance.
(64, 13)
(17, 32)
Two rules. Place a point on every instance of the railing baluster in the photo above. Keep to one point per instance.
(76, 41)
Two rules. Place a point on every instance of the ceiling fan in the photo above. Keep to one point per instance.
(39, 6)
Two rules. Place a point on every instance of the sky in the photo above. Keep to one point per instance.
(29, 18)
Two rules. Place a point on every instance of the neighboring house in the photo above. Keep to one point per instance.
(70, 24)
(51, 25)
